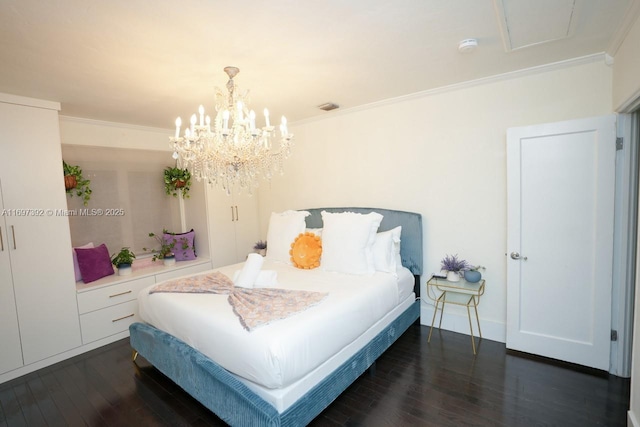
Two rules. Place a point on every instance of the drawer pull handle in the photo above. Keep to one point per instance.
(122, 318)
(121, 293)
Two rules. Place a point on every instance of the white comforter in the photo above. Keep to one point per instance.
(282, 352)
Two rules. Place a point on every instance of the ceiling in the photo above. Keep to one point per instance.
(146, 62)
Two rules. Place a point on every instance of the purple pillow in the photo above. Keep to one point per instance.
(183, 248)
(76, 267)
(94, 263)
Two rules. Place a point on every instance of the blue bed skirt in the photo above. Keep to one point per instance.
(234, 402)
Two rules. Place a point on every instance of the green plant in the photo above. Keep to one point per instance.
(74, 182)
(166, 248)
(125, 256)
(177, 180)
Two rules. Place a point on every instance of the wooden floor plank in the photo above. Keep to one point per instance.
(11, 408)
(414, 383)
(61, 399)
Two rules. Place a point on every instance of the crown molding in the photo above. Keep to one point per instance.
(94, 122)
(588, 59)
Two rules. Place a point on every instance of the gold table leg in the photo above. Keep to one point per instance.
(473, 341)
(435, 311)
(475, 307)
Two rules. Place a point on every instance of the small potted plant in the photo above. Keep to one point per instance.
(454, 267)
(165, 253)
(260, 247)
(74, 183)
(176, 181)
(123, 261)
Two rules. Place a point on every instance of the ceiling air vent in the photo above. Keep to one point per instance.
(328, 106)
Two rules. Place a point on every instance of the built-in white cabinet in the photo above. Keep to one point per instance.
(108, 306)
(9, 333)
(37, 268)
(233, 225)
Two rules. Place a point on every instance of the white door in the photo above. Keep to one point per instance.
(561, 179)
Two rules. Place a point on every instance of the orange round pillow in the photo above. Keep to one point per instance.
(306, 250)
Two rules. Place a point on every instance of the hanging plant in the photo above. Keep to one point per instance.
(177, 180)
(75, 184)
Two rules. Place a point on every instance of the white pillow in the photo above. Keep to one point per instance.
(347, 240)
(284, 227)
(386, 250)
(316, 231)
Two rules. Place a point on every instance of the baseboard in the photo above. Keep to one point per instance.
(455, 319)
(632, 421)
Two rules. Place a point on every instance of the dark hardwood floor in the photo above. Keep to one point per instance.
(414, 384)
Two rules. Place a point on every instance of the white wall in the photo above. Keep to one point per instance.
(79, 131)
(626, 71)
(443, 155)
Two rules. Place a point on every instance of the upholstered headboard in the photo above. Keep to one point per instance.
(410, 239)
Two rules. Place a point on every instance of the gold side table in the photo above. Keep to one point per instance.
(458, 293)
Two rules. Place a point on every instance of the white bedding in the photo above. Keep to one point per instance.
(278, 354)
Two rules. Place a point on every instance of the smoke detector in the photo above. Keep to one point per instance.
(467, 45)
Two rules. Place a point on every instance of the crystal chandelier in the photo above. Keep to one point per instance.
(232, 150)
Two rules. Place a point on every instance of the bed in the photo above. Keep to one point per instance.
(306, 367)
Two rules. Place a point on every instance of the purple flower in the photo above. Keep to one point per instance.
(452, 263)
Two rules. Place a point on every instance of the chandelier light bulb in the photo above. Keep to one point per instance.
(178, 124)
(266, 117)
(194, 119)
(201, 111)
(225, 118)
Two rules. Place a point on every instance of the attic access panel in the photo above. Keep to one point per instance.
(525, 23)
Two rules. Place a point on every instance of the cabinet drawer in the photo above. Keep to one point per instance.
(107, 296)
(183, 272)
(108, 321)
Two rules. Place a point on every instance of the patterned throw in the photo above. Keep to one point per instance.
(254, 307)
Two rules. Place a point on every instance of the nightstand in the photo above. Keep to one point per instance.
(458, 293)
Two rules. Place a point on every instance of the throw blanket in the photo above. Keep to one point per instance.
(254, 307)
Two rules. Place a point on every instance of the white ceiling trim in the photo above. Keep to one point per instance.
(588, 59)
(72, 119)
(31, 102)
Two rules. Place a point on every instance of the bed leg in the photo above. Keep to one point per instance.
(372, 369)
(134, 356)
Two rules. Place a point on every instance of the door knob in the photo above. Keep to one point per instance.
(516, 255)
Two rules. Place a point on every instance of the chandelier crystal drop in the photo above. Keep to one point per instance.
(232, 151)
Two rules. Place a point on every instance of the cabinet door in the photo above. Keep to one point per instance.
(246, 224)
(222, 234)
(39, 239)
(233, 226)
(9, 334)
